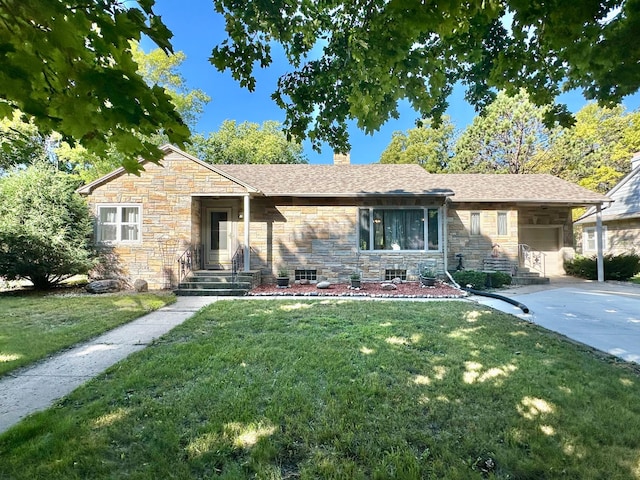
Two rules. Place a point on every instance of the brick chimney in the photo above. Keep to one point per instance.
(635, 161)
(341, 158)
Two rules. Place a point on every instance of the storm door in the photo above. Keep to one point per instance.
(218, 233)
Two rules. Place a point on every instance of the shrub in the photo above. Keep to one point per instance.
(472, 278)
(478, 280)
(500, 279)
(45, 227)
(616, 267)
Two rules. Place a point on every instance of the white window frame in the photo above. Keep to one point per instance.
(471, 231)
(425, 212)
(119, 223)
(506, 224)
(589, 233)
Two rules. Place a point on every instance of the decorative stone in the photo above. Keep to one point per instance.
(304, 281)
(104, 286)
(396, 281)
(388, 286)
(323, 285)
(141, 285)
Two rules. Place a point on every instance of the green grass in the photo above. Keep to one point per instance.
(343, 390)
(635, 279)
(33, 326)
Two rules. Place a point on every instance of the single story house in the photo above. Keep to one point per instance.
(620, 220)
(326, 221)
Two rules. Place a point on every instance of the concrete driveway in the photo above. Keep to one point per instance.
(605, 315)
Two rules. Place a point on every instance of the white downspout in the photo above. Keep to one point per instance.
(599, 243)
(247, 224)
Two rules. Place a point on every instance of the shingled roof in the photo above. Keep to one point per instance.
(529, 188)
(376, 179)
(337, 180)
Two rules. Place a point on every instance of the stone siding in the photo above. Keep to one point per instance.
(623, 236)
(322, 235)
(475, 248)
(170, 216)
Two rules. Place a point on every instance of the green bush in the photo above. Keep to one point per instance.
(478, 280)
(500, 279)
(616, 267)
(45, 227)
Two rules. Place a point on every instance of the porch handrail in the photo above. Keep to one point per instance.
(532, 259)
(237, 262)
(188, 261)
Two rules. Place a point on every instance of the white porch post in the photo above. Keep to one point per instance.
(445, 235)
(247, 223)
(599, 243)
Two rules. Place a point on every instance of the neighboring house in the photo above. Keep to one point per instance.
(620, 220)
(325, 221)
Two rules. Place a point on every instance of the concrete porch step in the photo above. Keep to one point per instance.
(529, 280)
(215, 282)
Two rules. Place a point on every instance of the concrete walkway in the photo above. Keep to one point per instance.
(605, 315)
(38, 387)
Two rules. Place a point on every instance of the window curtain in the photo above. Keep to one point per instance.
(399, 229)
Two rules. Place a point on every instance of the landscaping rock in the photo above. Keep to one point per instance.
(141, 285)
(388, 286)
(304, 281)
(104, 286)
(396, 281)
(323, 285)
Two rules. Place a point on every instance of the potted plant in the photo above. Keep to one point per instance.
(355, 280)
(282, 279)
(428, 277)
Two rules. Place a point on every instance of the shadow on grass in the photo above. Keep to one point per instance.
(342, 389)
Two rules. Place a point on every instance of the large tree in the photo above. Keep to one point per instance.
(506, 139)
(20, 143)
(247, 142)
(376, 52)
(68, 66)
(428, 146)
(596, 151)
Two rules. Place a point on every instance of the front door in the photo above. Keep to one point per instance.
(218, 241)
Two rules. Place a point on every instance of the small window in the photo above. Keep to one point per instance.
(589, 239)
(306, 274)
(502, 223)
(119, 224)
(475, 223)
(391, 273)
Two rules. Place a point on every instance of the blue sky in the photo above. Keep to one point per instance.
(197, 28)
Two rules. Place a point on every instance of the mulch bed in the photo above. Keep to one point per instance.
(368, 289)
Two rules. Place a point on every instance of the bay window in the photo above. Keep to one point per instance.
(119, 223)
(399, 229)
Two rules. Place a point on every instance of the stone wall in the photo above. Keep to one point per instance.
(170, 216)
(322, 235)
(623, 236)
(476, 248)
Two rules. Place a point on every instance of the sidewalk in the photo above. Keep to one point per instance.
(36, 388)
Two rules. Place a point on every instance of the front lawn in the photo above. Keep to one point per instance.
(33, 326)
(343, 390)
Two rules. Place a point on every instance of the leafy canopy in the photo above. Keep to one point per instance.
(69, 66)
(428, 146)
(376, 52)
(247, 142)
(506, 139)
